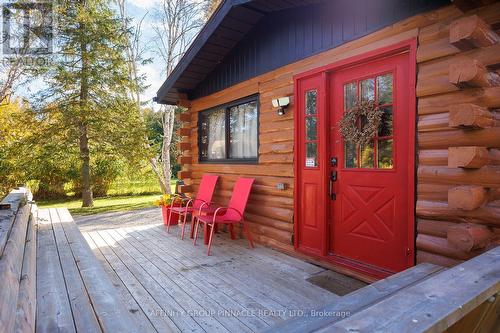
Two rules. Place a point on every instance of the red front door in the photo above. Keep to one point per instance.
(371, 213)
(354, 203)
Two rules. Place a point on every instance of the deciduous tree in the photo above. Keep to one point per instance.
(177, 23)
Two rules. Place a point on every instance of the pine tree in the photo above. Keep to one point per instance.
(88, 84)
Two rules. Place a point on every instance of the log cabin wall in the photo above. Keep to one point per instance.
(458, 186)
(440, 170)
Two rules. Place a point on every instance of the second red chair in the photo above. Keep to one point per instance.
(230, 215)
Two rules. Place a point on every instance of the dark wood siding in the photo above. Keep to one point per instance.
(290, 35)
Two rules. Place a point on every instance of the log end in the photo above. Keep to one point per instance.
(467, 197)
(468, 237)
(468, 115)
(469, 73)
(471, 32)
(184, 174)
(467, 157)
(185, 189)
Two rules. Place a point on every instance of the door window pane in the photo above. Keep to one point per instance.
(311, 154)
(366, 157)
(378, 153)
(368, 90)
(311, 97)
(311, 129)
(350, 95)
(384, 89)
(384, 152)
(243, 130)
(350, 154)
(385, 128)
(216, 138)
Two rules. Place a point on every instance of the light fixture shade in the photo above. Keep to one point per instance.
(284, 101)
(275, 103)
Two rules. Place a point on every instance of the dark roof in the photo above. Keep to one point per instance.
(229, 24)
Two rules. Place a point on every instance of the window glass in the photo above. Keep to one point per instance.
(311, 129)
(243, 126)
(366, 157)
(350, 155)
(350, 95)
(367, 89)
(384, 152)
(229, 132)
(384, 89)
(385, 128)
(216, 138)
(378, 153)
(311, 97)
(311, 154)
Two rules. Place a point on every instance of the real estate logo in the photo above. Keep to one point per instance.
(27, 28)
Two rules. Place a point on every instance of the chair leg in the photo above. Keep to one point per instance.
(212, 228)
(169, 219)
(246, 229)
(231, 231)
(197, 223)
(193, 220)
(184, 225)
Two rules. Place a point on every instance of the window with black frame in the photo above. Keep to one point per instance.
(229, 133)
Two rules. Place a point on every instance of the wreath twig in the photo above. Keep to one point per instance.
(350, 125)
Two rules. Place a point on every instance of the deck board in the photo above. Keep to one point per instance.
(83, 313)
(175, 286)
(148, 304)
(134, 308)
(53, 306)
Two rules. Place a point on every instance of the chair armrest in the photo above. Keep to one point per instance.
(225, 209)
(205, 205)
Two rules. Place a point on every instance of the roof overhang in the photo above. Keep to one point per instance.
(232, 20)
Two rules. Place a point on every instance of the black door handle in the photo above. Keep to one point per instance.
(333, 178)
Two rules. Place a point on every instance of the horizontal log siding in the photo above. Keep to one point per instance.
(436, 96)
(270, 211)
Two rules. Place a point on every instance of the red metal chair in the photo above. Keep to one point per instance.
(228, 215)
(201, 203)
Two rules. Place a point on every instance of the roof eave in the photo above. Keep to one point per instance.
(205, 33)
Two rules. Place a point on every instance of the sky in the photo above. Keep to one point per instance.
(137, 10)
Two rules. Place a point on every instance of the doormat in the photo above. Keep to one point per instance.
(336, 283)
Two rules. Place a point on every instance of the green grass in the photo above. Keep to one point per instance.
(124, 195)
(103, 205)
(133, 187)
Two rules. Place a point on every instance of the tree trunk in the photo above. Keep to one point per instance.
(87, 196)
(159, 174)
(168, 128)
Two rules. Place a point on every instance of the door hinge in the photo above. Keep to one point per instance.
(408, 252)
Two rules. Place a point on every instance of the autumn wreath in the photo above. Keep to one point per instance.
(350, 127)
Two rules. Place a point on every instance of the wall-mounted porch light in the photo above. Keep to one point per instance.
(282, 104)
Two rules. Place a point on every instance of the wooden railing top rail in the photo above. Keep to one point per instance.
(16, 226)
(9, 207)
(425, 298)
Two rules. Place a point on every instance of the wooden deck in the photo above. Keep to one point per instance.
(170, 285)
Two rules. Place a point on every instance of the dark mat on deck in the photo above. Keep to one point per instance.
(336, 283)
